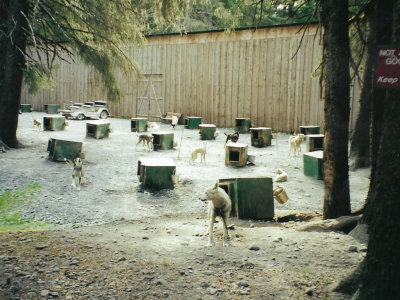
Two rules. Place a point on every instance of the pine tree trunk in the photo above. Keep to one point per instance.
(381, 277)
(382, 20)
(360, 143)
(13, 63)
(337, 108)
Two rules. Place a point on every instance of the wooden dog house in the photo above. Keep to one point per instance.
(260, 136)
(59, 150)
(314, 142)
(163, 140)
(252, 198)
(98, 129)
(156, 173)
(207, 131)
(242, 125)
(312, 164)
(54, 123)
(310, 129)
(236, 154)
(192, 122)
(139, 124)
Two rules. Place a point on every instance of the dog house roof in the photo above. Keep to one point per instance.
(97, 122)
(207, 125)
(158, 162)
(237, 145)
(260, 128)
(316, 154)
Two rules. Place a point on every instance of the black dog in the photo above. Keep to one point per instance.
(234, 137)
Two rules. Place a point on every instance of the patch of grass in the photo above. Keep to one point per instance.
(10, 201)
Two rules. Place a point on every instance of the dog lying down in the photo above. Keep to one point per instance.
(282, 176)
(77, 171)
(220, 206)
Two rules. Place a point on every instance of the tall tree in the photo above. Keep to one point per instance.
(381, 273)
(35, 32)
(336, 54)
(12, 62)
(360, 142)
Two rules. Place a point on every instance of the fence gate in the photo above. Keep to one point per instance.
(149, 100)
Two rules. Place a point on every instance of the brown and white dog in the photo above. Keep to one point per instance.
(295, 143)
(220, 206)
(234, 137)
(146, 139)
(77, 171)
(37, 124)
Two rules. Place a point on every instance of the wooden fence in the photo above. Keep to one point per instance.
(264, 74)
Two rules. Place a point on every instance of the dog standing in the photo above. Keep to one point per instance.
(37, 124)
(234, 137)
(202, 151)
(220, 206)
(77, 171)
(295, 143)
(146, 139)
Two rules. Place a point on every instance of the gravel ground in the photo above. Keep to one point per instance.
(116, 241)
(110, 191)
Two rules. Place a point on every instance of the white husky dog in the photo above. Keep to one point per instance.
(220, 206)
(202, 151)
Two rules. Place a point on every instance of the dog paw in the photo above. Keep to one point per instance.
(209, 244)
(225, 244)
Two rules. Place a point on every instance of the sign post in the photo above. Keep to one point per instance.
(387, 74)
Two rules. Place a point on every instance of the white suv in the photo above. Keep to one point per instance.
(87, 110)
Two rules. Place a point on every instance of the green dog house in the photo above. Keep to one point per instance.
(139, 124)
(312, 164)
(192, 122)
(54, 123)
(252, 198)
(242, 125)
(25, 107)
(51, 108)
(163, 140)
(309, 129)
(98, 129)
(59, 150)
(207, 131)
(157, 173)
(260, 136)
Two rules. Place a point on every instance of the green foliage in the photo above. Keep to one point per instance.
(37, 77)
(10, 200)
(95, 29)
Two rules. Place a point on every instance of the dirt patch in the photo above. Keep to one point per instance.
(116, 240)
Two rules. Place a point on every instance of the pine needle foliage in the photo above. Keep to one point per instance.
(95, 30)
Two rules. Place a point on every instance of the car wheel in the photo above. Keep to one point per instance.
(80, 117)
(103, 115)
